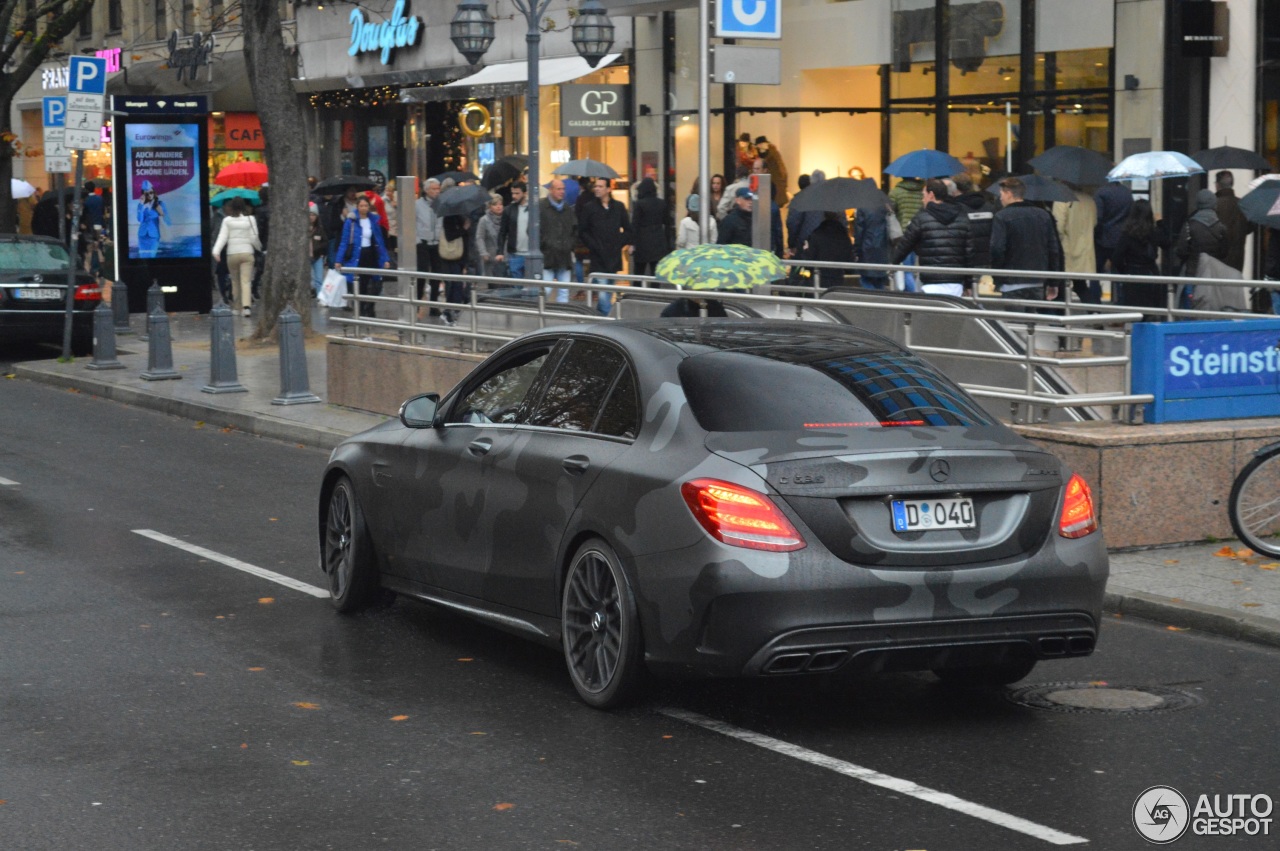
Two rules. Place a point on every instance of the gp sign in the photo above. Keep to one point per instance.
(749, 19)
(587, 110)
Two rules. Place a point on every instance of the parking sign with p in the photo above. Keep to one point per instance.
(749, 19)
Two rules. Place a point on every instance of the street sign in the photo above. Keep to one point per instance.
(86, 97)
(732, 63)
(749, 19)
(56, 156)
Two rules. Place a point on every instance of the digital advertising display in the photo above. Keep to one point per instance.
(162, 200)
(162, 171)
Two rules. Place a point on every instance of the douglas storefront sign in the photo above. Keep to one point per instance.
(382, 37)
(1208, 370)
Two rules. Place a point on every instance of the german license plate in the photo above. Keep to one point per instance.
(40, 294)
(915, 515)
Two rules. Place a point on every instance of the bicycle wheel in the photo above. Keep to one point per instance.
(1254, 507)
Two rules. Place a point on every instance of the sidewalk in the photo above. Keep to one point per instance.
(1212, 587)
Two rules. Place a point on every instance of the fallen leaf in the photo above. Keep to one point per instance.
(220, 617)
(567, 842)
(244, 746)
(274, 519)
(266, 601)
(1237, 581)
(1225, 552)
(466, 659)
(255, 670)
(301, 762)
(1099, 683)
(227, 430)
(1269, 566)
(144, 626)
(1244, 553)
(305, 705)
(399, 717)
(1251, 605)
(1176, 628)
(197, 674)
(1171, 561)
(199, 424)
(479, 734)
(668, 736)
(502, 808)
(19, 573)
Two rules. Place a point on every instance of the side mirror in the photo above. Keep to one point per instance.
(420, 411)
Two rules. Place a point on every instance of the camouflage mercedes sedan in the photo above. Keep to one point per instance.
(723, 497)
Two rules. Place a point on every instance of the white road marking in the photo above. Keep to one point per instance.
(262, 572)
(7, 482)
(875, 778)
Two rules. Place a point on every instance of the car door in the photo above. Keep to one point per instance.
(446, 473)
(586, 416)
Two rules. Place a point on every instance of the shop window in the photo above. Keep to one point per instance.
(159, 15)
(1074, 69)
(86, 24)
(115, 16)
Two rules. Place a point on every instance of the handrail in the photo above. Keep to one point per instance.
(411, 331)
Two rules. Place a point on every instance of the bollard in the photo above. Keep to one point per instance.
(159, 348)
(120, 306)
(222, 354)
(294, 388)
(155, 301)
(104, 339)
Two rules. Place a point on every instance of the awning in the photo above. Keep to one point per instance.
(504, 79)
(228, 91)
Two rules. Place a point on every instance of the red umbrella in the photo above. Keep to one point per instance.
(247, 175)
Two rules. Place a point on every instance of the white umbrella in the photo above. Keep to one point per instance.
(1258, 181)
(20, 188)
(1155, 165)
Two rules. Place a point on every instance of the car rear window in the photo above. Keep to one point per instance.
(737, 391)
(32, 257)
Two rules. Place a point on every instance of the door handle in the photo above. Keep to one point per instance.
(480, 446)
(576, 464)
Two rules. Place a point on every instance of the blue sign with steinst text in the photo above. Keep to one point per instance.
(1208, 370)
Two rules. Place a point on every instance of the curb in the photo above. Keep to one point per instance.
(1198, 616)
(259, 425)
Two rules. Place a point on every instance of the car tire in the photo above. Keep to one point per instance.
(600, 628)
(986, 675)
(347, 555)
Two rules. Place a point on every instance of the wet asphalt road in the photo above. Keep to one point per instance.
(152, 698)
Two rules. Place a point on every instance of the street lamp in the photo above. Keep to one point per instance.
(471, 31)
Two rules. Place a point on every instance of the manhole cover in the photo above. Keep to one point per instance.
(1103, 697)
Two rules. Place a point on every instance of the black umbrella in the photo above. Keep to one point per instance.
(1258, 203)
(586, 168)
(838, 194)
(1229, 157)
(1073, 164)
(1040, 188)
(504, 170)
(461, 200)
(340, 185)
(457, 177)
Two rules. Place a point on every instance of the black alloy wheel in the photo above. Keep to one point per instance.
(348, 555)
(600, 628)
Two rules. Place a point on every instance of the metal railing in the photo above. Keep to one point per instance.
(478, 328)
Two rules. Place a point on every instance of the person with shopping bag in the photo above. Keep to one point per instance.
(362, 245)
(238, 234)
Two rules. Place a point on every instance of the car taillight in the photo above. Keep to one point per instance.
(1078, 518)
(88, 292)
(740, 516)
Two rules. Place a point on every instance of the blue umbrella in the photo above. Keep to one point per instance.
(227, 194)
(925, 163)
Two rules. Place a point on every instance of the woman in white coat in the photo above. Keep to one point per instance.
(239, 236)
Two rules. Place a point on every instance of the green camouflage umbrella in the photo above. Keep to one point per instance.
(720, 267)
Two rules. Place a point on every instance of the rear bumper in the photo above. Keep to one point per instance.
(719, 611)
(43, 325)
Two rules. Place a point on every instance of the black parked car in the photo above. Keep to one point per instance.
(33, 293)
(727, 497)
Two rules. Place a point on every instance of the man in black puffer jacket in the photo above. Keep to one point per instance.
(939, 235)
(981, 208)
(1024, 236)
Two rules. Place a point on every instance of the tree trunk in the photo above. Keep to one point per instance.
(286, 280)
(8, 208)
